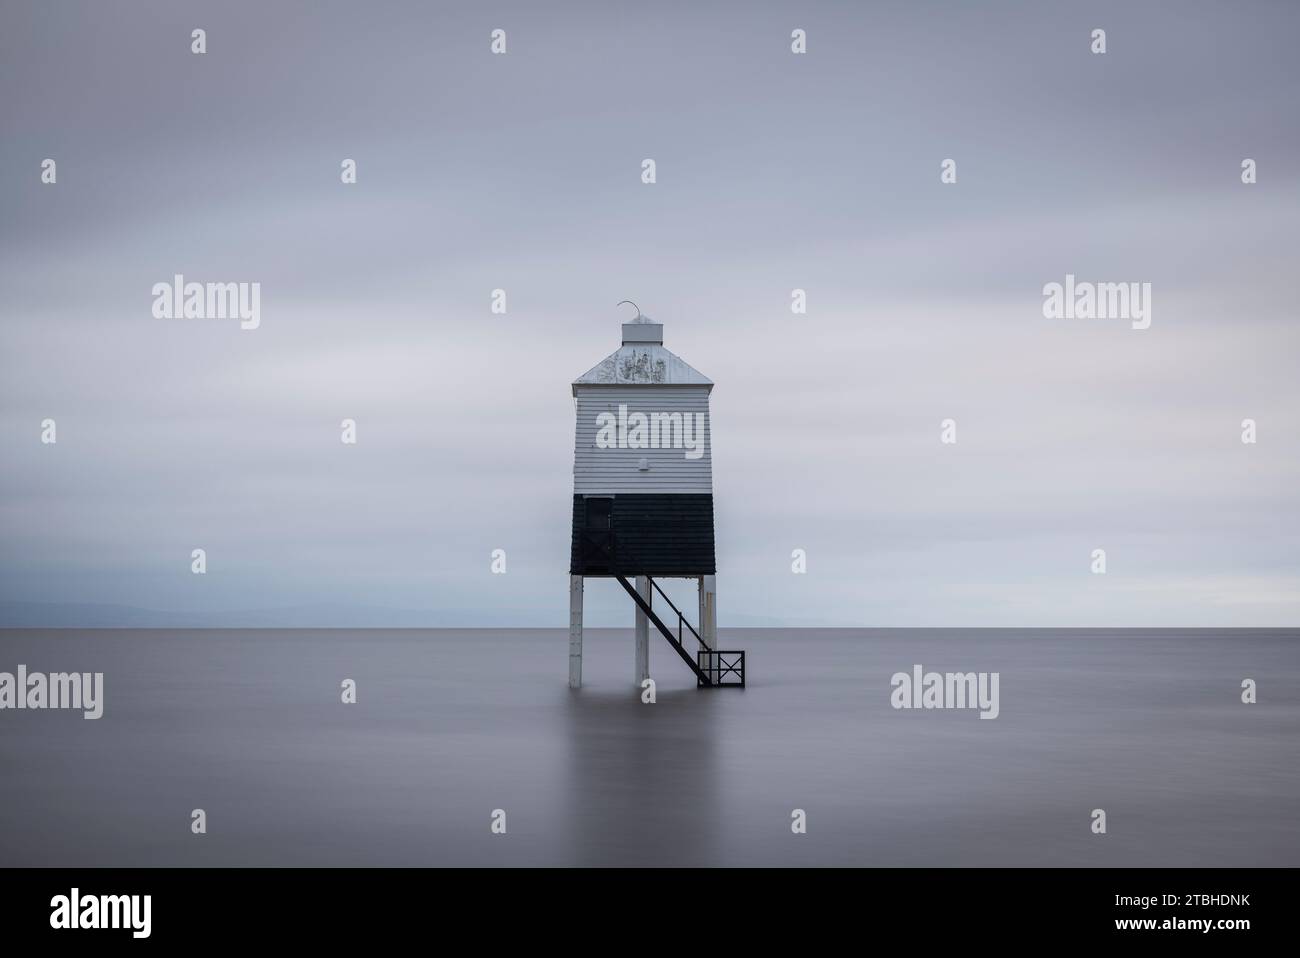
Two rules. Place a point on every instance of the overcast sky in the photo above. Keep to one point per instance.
(775, 171)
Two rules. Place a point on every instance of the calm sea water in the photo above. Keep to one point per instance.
(452, 724)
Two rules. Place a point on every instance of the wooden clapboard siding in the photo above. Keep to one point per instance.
(657, 534)
(597, 470)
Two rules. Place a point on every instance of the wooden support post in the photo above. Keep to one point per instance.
(642, 632)
(709, 617)
(575, 631)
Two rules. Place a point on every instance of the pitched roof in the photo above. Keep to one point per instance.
(637, 364)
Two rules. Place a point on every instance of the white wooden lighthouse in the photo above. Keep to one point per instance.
(643, 499)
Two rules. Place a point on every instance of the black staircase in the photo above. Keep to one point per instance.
(701, 674)
(713, 668)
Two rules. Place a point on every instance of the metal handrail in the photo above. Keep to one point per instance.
(681, 619)
(599, 540)
(718, 667)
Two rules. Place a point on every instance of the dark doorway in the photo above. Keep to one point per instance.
(598, 536)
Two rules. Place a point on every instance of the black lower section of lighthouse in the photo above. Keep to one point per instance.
(668, 534)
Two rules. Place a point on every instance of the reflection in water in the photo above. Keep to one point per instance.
(643, 779)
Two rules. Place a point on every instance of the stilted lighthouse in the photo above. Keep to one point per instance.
(643, 500)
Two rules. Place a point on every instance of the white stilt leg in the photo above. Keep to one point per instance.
(575, 631)
(709, 616)
(642, 632)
